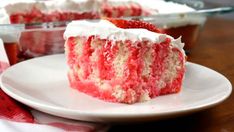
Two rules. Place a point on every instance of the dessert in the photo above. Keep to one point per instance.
(39, 39)
(120, 63)
(64, 10)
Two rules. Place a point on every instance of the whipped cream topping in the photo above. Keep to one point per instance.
(73, 5)
(4, 17)
(105, 29)
(7, 2)
(163, 7)
(23, 6)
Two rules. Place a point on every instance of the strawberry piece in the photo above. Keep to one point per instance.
(11, 110)
(133, 24)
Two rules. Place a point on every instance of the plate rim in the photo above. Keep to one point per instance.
(34, 104)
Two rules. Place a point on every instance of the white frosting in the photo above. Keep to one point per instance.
(73, 5)
(121, 2)
(18, 7)
(165, 7)
(4, 17)
(7, 2)
(105, 29)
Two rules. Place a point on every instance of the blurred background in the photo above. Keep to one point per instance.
(222, 3)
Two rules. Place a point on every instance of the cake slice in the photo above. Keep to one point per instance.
(122, 65)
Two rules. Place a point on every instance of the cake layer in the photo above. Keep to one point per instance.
(120, 65)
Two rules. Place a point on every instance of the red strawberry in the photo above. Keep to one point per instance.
(11, 110)
(133, 24)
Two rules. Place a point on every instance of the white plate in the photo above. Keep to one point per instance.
(42, 83)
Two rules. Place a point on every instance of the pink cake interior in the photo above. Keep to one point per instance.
(124, 71)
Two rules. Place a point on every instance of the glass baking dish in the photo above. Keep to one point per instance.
(24, 41)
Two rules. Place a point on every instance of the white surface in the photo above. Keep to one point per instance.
(105, 29)
(42, 84)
